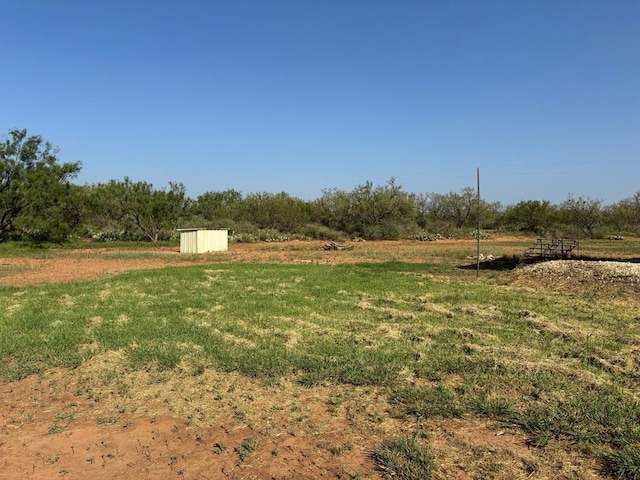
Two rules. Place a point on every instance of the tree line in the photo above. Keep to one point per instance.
(39, 202)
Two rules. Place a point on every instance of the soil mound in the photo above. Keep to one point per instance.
(608, 277)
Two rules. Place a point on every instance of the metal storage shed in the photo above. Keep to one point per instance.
(203, 240)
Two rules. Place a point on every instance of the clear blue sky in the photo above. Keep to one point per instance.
(298, 96)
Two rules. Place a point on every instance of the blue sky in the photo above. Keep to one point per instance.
(543, 96)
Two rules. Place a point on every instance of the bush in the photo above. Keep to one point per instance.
(383, 231)
(318, 231)
(262, 235)
(483, 235)
(425, 236)
(109, 235)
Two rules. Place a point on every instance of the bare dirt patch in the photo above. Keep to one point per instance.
(73, 265)
(103, 421)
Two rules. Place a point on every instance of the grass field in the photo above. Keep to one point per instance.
(436, 345)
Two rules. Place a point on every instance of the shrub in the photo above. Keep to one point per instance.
(109, 235)
(425, 236)
(318, 231)
(387, 230)
(483, 235)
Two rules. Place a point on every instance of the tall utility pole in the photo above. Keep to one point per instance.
(478, 227)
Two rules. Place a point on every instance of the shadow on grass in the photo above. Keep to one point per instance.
(502, 263)
(513, 261)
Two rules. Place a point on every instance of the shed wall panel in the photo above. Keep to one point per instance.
(203, 241)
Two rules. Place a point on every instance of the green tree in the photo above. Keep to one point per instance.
(633, 204)
(585, 213)
(623, 216)
(128, 209)
(531, 216)
(218, 205)
(373, 212)
(278, 211)
(491, 214)
(34, 188)
(421, 207)
(329, 210)
(153, 211)
(618, 217)
(457, 208)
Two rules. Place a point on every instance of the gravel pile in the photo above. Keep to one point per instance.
(607, 276)
(583, 268)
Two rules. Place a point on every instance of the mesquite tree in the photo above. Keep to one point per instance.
(137, 209)
(34, 187)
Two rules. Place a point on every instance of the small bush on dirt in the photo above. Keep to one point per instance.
(55, 428)
(246, 448)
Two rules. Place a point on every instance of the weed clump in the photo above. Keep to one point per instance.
(246, 448)
(404, 458)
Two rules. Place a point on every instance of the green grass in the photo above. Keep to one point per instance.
(23, 249)
(404, 458)
(610, 246)
(561, 368)
(120, 244)
(624, 463)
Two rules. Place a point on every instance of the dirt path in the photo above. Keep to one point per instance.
(71, 265)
